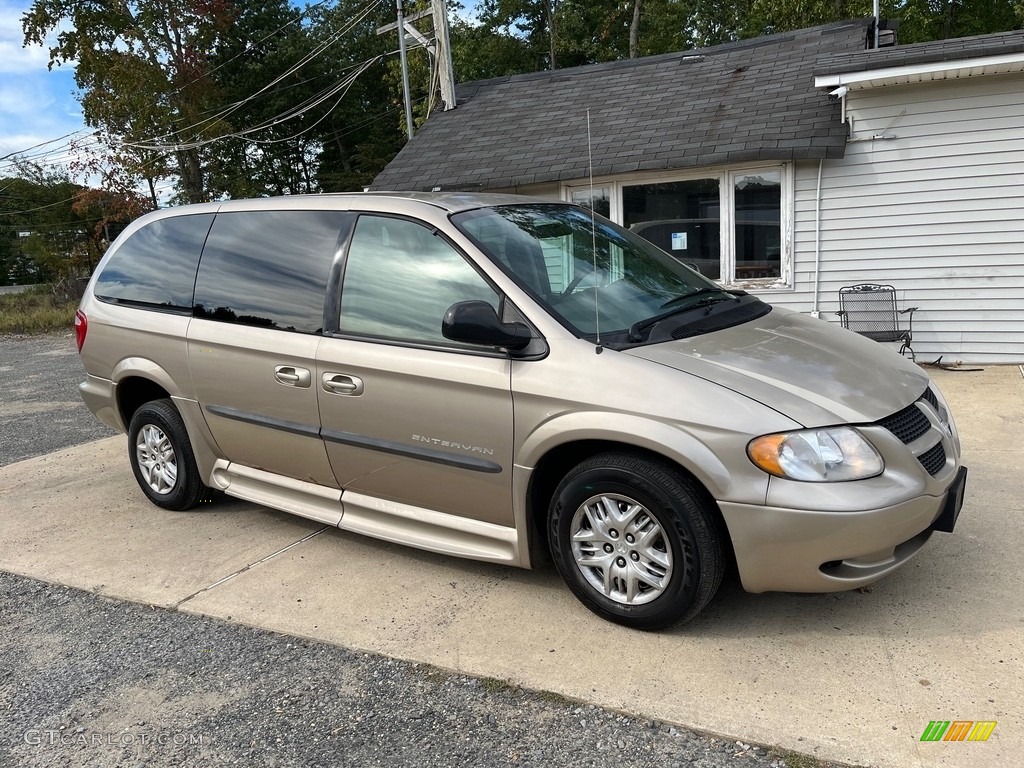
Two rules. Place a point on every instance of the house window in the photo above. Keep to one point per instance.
(729, 225)
(598, 199)
(757, 223)
(680, 217)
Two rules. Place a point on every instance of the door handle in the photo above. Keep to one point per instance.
(342, 384)
(291, 376)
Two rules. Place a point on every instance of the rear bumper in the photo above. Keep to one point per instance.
(99, 397)
(791, 550)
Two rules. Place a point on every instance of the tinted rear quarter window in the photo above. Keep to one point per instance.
(156, 266)
(268, 268)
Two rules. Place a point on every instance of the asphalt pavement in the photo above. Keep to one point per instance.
(86, 680)
(40, 408)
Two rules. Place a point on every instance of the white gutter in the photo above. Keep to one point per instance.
(937, 70)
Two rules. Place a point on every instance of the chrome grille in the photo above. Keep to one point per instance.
(931, 398)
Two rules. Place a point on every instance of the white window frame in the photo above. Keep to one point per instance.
(726, 176)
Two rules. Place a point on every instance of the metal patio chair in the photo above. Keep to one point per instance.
(871, 311)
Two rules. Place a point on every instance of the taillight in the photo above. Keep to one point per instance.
(81, 328)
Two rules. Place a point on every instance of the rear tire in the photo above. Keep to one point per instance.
(162, 459)
(635, 540)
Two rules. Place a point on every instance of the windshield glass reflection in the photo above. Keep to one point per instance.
(587, 271)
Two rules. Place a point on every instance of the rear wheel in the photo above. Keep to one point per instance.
(162, 459)
(635, 540)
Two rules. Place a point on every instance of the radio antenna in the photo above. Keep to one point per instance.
(593, 238)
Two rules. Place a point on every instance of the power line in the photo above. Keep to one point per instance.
(42, 144)
(306, 59)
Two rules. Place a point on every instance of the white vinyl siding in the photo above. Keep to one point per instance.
(936, 211)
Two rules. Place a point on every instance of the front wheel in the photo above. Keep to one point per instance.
(635, 540)
(162, 459)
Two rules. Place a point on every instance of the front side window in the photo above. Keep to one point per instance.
(401, 278)
(268, 268)
(156, 266)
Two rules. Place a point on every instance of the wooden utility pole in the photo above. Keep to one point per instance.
(445, 72)
(439, 50)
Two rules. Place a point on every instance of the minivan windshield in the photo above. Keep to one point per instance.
(588, 272)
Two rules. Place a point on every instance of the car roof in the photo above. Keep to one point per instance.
(405, 202)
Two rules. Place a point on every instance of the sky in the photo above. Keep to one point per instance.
(36, 105)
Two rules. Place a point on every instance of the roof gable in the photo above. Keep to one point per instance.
(739, 102)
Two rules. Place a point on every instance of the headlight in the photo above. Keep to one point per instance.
(816, 455)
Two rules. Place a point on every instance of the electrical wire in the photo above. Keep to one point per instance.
(42, 144)
(231, 108)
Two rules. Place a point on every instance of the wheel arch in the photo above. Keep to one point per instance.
(558, 460)
(133, 392)
(138, 381)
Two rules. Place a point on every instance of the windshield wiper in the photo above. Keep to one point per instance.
(641, 325)
(692, 295)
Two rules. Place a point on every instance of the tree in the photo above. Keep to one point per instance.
(141, 65)
(41, 238)
(364, 130)
(536, 20)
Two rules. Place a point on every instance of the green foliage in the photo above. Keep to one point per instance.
(36, 311)
(184, 83)
(141, 65)
(41, 238)
(53, 229)
(479, 53)
(365, 129)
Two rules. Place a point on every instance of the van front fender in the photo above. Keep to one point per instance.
(697, 452)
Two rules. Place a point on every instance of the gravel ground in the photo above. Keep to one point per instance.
(89, 681)
(40, 408)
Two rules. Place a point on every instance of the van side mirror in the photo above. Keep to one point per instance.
(476, 322)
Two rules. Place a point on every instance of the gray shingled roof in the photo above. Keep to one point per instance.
(739, 102)
(923, 53)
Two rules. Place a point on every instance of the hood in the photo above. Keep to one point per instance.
(807, 369)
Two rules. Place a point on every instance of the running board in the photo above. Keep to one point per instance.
(428, 529)
(370, 516)
(310, 500)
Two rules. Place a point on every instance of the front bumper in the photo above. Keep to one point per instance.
(796, 550)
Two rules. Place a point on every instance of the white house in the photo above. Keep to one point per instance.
(790, 165)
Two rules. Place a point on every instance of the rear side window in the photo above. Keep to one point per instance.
(156, 266)
(268, 268)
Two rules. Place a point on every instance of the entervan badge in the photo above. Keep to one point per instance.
(468, 447)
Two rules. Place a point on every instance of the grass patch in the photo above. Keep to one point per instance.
(555, 698)
(793, 760)
(494, 685)
(36, 311)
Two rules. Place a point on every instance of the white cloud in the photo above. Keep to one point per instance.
(14, 58)
(36, 105)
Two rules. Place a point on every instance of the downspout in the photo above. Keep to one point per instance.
(817, 241)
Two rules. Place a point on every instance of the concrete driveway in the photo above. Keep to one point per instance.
(853, 676)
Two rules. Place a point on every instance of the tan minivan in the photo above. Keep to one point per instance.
(497, 377)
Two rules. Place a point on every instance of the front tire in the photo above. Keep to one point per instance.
(635, 540)
(162, 459)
